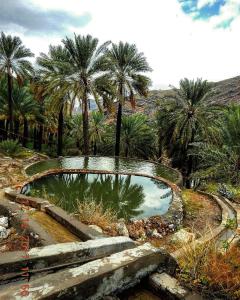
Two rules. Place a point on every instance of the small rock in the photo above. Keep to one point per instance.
(3, 248)
(182, 236)
(4, 221)
(4, 233)
(35, 235)
(122, 229)
(171, 226)
(97, 228)
(156, 235)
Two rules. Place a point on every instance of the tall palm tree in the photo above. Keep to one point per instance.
(185, 119)
(87, 64)
(25, 108)
(52, 72)
(13, 63)
(126, 65)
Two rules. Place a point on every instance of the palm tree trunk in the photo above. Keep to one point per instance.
(35, 138)
(189, 171)
(60, 132)
(95, 148)
(189, 163)
(25, 132)
(118, 130)
(40, 137)
(10, 104)
(126, 151)
(16, 128)
(7, 128)
(50, 139)
(2, 129)
(85, 125)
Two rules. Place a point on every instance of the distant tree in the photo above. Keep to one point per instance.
(96, 129)
(13, 63)
(221, 160)
(186, 118)
(137, 137)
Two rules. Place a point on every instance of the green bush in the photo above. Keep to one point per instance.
(10, 148)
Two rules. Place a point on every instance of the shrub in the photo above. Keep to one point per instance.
(90, 212)
(214, 273)
(10, 148)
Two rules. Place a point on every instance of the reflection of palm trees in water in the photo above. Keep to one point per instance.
(162, 186)
(114, 191)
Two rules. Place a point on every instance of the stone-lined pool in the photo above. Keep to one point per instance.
(129, 196)
(120, 165)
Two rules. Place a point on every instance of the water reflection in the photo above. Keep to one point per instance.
(129, 196)
(105, 163)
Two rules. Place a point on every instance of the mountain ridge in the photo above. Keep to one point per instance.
(225, 92)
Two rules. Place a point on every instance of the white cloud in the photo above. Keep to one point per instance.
(202, 3)
(175, 45)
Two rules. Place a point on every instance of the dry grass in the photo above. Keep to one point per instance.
(90, 212)
(200, 212)
(211, 272)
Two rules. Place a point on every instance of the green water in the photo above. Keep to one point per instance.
(105, 163)
(129, 196)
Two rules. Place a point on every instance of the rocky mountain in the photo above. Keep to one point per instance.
(225, 92)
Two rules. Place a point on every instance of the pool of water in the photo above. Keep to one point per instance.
(105, 163)
(128, 195)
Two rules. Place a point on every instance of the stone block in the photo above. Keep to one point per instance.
(81, 230)
(95, 279)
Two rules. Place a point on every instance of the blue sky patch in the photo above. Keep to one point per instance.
(203, 13)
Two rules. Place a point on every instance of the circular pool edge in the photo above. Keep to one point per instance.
(174, 214)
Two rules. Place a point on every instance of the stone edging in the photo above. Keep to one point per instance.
(174, 213)
(170, 285)
(76, 227)
(227, 211)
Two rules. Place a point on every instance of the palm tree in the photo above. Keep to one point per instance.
(86, 67)
(185, 119)
(76, 130)
(25, 108)
(221, 159)
(126, 65)
(137, 137)
(3, 108)
(13, 63)
(52, 70)
(96, 129)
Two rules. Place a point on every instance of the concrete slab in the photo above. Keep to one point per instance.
(95, 279)
(66, 253)
(170, 286)
(81, 230)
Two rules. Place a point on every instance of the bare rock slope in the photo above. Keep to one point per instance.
(225, 93)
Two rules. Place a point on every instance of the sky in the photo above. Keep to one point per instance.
(180, 38)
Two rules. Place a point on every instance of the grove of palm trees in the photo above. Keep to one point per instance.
(46, 110)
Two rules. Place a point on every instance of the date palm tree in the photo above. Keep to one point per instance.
(52, 72)
(25, 108)
(86, 68)
(126, 66)
(221, 160)
(96, 129)
(185, 118)
(13, 63)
